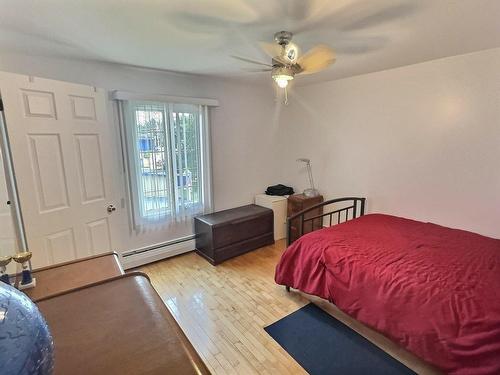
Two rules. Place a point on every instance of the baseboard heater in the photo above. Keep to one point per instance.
(153, 253)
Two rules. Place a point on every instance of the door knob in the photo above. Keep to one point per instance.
(111, 208)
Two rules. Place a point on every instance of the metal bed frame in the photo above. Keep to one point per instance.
(356, 209)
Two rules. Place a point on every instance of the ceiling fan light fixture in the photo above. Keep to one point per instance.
(281, 76)
(287, 61)
(282, 80)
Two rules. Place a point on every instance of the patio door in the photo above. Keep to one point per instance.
(60, 143)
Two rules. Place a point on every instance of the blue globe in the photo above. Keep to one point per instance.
(26, 346)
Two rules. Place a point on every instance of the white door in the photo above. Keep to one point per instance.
(60, 144)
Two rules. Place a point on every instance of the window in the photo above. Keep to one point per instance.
(168, 160)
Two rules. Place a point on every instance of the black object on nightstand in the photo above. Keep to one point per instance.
(229, 233)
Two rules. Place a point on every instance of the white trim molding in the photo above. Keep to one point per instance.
(139, 257)
(127, 95)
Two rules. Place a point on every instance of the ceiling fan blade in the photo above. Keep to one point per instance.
(250, 61)
(284, 55)
(380, 16)
(275, 51)
(357, 45)
(200, 24)
(257, 70)
(355, 16)
(271, 49)
(316, 59)
(298, 9)
(216, 17)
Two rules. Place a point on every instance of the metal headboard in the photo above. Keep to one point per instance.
(356, 209)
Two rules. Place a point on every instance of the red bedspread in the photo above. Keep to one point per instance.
(434, 290)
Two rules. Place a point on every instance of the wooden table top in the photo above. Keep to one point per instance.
(62, 277)
(117, 326)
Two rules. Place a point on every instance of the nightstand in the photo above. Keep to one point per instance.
(297, 203)
(279, 206)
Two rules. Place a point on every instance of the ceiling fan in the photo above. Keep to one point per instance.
(287, 61)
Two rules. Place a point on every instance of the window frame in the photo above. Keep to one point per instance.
(133, 170)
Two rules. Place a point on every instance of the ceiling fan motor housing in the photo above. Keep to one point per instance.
(283, 37)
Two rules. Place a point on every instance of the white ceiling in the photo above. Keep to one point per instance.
(198, 36)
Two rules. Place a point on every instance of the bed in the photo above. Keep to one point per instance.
(431, 289)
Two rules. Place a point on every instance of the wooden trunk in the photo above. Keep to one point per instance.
(226, 234)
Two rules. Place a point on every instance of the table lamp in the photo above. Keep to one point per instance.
(311, 192)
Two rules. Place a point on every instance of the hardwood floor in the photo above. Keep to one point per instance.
(223, 311)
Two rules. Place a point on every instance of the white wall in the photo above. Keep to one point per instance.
(241, 153)
(421, 141)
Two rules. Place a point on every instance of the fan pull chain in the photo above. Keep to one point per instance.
(286, 96)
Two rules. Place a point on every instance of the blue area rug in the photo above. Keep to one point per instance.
(323, 345)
